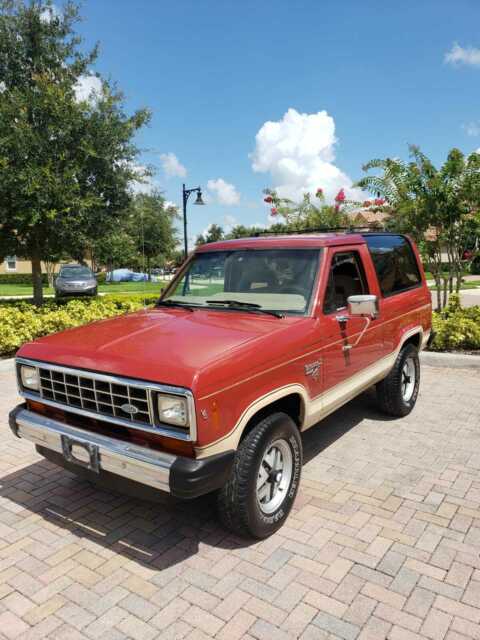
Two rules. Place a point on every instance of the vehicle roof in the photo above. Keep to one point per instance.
(307, 240)
(73, 264)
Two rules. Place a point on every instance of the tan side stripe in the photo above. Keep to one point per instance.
(308, 353)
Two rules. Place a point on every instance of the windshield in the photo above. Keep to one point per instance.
(279, 280)
(71, 273)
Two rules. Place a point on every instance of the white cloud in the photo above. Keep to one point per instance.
(472, 128)
(172, 166)
(225, 192)
(88, 87)
(298, 152)
(229, 222)
(463, 55)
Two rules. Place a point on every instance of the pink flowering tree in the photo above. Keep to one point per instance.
(312, 212)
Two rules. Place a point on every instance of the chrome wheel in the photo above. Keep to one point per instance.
(274, 476)
(408, 379)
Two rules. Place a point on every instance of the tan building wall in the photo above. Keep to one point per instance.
(25, 266)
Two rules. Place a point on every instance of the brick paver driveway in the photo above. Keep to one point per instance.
(384, 541)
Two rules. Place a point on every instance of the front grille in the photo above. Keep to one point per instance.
(87, 392)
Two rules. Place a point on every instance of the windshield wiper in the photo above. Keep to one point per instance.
(250, 307)
(174, 303)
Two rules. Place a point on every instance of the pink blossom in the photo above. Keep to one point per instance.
(268, 199)
(273, 211)
(340, 197)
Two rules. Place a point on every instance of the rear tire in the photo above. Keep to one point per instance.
(398, 392)
(263, 484)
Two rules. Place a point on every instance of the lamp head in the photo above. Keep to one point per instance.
(199, 199)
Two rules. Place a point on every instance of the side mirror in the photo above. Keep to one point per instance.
(363, 305)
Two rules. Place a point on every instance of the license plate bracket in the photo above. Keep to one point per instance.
(69, 445)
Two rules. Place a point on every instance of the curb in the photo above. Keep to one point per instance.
(450, 360)
(7, 365)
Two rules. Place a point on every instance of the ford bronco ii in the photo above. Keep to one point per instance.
(253, 342)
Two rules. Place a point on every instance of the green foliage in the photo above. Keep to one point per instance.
(153, 228)
(144, 237)
(456, 328)
(20, 278)
(65, 164)
(475, 266)
(438, 207)
(241, 231)
(22, 322)
(214, 233)
(307, 214)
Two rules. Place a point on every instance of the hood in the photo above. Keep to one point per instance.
(169, 346)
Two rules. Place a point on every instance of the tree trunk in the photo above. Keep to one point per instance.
(438, 286)
(445, 292)
(37, 280)
(450, 283)
(50, 268)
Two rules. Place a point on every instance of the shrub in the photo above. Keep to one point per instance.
(456, 328)
(22, 322)
(20, 278)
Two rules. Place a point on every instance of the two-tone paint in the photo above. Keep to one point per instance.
(236, 364)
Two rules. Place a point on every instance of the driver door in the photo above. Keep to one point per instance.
(352, 343)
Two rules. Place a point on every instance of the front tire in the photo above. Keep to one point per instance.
(263, 484)
(398, 392)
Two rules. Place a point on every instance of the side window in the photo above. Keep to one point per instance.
(395, 263)
(346, 278)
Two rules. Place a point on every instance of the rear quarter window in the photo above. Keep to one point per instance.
(395, 263)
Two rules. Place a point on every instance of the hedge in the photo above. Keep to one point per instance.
(456, 328)
(20, 278)
(22, 322)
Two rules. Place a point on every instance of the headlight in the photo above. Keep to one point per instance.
(30, 377)
(173, 410)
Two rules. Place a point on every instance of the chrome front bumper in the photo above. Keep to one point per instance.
(146, 466)
(94, 453)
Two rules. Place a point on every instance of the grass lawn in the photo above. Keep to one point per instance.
(465, 285)
(116, 289)
(429, 276)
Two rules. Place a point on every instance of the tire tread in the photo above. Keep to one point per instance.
(233, 497)
(388, 390)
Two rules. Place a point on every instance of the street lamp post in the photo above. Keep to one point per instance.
(186, 194)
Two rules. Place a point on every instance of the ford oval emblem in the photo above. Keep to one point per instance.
(129, 408)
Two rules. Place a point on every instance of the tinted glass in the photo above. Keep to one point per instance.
(276, 280)
(346, 278)
(70, 273)
(394, 262)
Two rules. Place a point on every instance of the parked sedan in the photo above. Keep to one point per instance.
(75, 280)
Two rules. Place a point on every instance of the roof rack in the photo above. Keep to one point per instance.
(352, 229)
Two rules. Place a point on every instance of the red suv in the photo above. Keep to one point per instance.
(254, 341)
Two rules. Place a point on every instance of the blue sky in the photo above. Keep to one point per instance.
(214, 72)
